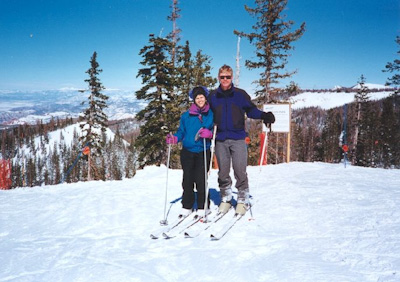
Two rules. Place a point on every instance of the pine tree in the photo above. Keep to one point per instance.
(30, 171)
(363, 126)
(168, 75)
(388, 133)
(185, 77)
(394, 68)
(330, 137)
(360, 98)
(202, 71)
(367, 137)
(95, 119)
(192, 72)
(55, 160)
(130, 168)
(157, 90)
(178, 99)
(188, 73)
(174, 35)
(273, 41)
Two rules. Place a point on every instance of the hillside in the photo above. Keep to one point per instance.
(337, 97)
(311, 222)
(19, 107)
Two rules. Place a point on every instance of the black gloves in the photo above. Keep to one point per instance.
(268, 118)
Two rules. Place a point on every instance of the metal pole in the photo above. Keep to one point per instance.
(212, 148)
(164, 221)
(205, 179)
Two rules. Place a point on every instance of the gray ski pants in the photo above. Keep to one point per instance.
(235, 152)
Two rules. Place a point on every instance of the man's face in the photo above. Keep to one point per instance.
(225, 79)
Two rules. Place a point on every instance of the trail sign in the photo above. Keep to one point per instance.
(282, 113)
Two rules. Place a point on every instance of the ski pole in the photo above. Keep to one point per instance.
(263, 147)
(164, 221)
(210, 166)
(212, 147)
(205, 180)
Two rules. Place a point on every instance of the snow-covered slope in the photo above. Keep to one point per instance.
(312, 222)
(371, 86)
(329, 100)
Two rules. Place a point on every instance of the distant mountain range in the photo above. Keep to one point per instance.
(20, 107)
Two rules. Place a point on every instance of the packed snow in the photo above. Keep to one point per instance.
(309, 222)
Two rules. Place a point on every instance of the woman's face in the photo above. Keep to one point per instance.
(200, 100)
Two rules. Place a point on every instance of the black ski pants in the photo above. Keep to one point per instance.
(194, 173)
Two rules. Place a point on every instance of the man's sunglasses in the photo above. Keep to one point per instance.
(225, 77)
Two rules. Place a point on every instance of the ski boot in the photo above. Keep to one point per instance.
(241, 208)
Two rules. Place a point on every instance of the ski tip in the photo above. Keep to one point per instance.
(166, 236)
(213, 238)
(153, 236)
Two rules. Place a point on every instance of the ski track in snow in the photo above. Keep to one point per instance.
(311, 222)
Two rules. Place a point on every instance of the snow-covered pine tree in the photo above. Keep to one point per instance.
(273, 41)
(55, 165)
(130, 167)
(95, 119)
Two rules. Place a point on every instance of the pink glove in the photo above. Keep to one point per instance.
(205, 133)
(171, 139)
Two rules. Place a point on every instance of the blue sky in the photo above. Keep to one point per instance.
(47, 44)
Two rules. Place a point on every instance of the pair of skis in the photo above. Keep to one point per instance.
(193, 225)
(183, 224)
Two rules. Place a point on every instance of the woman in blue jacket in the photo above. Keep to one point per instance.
(195, 127)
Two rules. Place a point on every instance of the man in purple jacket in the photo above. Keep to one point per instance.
(229, 105)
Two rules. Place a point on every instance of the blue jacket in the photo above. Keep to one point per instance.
(189, 126)
(229, 108)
